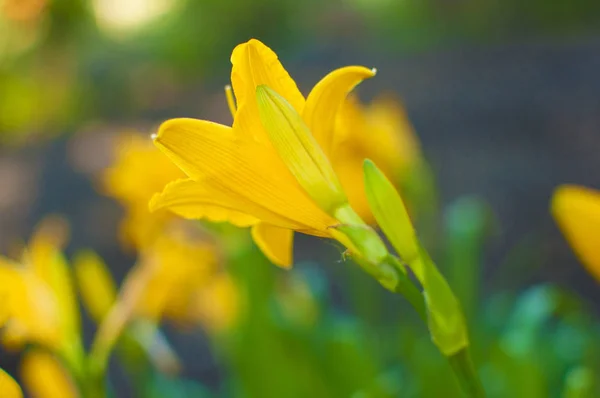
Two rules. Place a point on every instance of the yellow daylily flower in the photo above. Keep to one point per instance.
(41, 305)
(576, 210)
(9, 387)
(132, 182)
(45, 377)
(270, 169)
(379, 131)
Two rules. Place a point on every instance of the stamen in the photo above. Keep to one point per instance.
(230, 100)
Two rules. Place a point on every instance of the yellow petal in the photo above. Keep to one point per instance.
(194, 200)
(255, 64)
(299, 150)
(276, 243)
(577, 212)
(325, 99)
(239, 174)
(45, 377)
(96, 286)
(9, 387)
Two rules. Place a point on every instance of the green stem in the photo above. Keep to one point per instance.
(407, 288)
(464, 370)
(372, 255)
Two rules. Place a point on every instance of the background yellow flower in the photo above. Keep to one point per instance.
(576, 209)
(139, 171)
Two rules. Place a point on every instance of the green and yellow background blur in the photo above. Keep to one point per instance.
(502, 100)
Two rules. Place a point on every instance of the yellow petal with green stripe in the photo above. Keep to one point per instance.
(255, 64)
(299, 150)
(238, 174)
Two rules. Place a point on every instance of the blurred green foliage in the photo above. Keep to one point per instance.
(534, 342)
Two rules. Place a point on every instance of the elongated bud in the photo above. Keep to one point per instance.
(445, 317)
(299, 150)
(392, 216)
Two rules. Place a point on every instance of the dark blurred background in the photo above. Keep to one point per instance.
(504, 95)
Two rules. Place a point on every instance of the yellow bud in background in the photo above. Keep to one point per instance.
(96, 285)
(9, 387)
(299, 150)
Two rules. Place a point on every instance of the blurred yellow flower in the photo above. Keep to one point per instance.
(270, 169)
(179, 266)
(40, 302)
(45, 377)
(176, 274)
(576, 209)
(379, 131)
(31, 310)
(138, 172)
(9, 387)
(177, 278)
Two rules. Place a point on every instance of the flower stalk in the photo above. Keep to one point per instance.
(444, 315)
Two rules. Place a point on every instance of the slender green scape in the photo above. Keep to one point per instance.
(436, 304)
